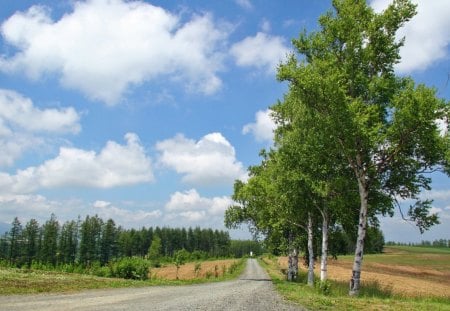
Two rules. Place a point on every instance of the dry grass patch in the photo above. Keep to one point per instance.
(208, 269)
(412, 279)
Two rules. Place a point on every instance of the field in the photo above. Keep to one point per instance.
(208, 269)
(405, 271)
(23, 281)
(402, 278)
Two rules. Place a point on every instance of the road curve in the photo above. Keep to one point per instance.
(252, 291)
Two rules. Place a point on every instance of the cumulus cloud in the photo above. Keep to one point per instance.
(23, 125)
(263, 127)
(134, 42)
(192, 207)
(38, 207)
(19, 111)
(211, 160)
(115, 165)
(126, 217)
(427, 35)
(262, 51)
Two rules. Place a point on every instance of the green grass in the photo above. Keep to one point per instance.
(26, 281)
(372, 295)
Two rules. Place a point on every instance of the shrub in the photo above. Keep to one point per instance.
(198, 255)
(324, 287)
(131, 268)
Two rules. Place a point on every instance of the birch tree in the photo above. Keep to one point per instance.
(383, 126)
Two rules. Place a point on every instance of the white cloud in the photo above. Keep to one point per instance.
(246, 4)
(263, 127)
(115, 165)
(262, 51)
(40, 208)
(192, 207)
(211, 160)
(27, 206)
(23, 125)
(19, 111)
(129, 218)
(435, 210)
(443, 195)
(427, 34)
(265, 25)
(134, 42)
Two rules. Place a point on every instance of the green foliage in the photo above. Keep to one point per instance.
(242, 248)
(323, 287)
(131, 268)
(181, 256)
(154, 251)
(419, 213)
(349, 132)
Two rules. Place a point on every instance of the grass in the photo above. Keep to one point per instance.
(22, 281)
(402, 264)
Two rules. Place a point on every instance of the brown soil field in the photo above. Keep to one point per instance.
(187, 271)
(404, 280)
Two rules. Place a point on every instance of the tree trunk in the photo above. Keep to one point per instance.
(323, 259)
(357, 263)
(310, 252)
(292, 264)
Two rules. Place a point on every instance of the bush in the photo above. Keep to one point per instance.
(131, 268)
(198, 255)
(323, 287)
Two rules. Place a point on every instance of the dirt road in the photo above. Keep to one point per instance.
(252, 291)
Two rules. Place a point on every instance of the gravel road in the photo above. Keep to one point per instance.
(252, 291)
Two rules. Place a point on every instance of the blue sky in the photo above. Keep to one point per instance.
(146, 112)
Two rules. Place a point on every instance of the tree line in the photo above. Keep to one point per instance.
(352, 139)
(93, 240)
(435, 243)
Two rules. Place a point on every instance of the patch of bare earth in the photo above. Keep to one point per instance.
(402, 280)
(208, 269)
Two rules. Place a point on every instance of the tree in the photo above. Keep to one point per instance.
(91, 230)
(154, 251)
(16, 242)
(31, 235)
(68, 242)
(180, 258)
(270, 202)
(108, 244)
(49, 253)
(383, 126)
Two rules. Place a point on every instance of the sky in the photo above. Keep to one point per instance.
(147, 111)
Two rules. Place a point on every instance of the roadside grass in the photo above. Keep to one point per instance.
(374, 295)
(26, 281)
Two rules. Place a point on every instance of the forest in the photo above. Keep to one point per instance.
(93, 241)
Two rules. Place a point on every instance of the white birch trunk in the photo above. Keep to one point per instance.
(310, 251)
(355, 281)
(324, 258)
